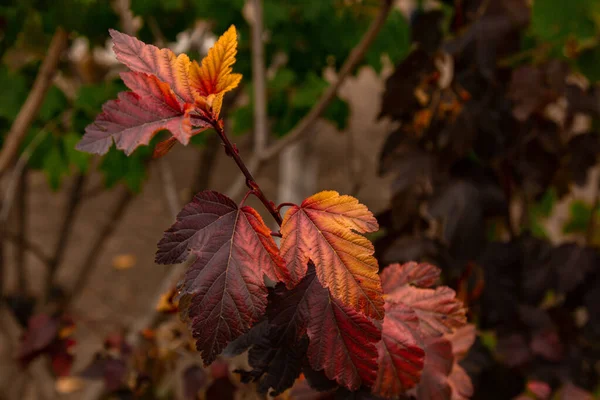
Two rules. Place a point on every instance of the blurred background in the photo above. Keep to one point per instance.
(469, 127)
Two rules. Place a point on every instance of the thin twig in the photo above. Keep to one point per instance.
(91, 259)
(75, 198)
(17, 171)
(232, 151)
(356, 55)
(33, 248)
(123, 10)
(168, 184)
(34, 100)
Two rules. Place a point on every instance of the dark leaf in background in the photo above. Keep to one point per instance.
(398, 99)
(194, 379)
(221, 389)
(411, 273)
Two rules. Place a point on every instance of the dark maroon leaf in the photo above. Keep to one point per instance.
(42, 331)
(223, 293)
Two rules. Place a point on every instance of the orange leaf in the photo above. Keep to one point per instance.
(213, 76)
(162, 63)
(324, 229)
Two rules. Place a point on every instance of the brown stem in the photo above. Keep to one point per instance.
(250, 181)
(72, 206)
(591, 228)
(89, 263)
(20, 262)
(34, 101)
(356, 55)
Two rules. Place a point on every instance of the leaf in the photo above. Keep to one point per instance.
(580, 215)
(194, 379)
(401, 355)
(162, 63)
(324, 229)
(169, 92)
(123, 261)
(341, 340)
(277, 367)
(438, 365)
(438, 309)
(223, 293)
(117, 167)
(213, 77)
(13, 94)
(135, 117)
(410, 273)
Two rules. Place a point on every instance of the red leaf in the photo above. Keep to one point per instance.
(42, 331)
(410, 273)
(460, 383)
(323, 229)
(342, 340)
(223, 293)
(401, 356)
(439, 361)
(163, 63)
(541, 390)
(135, 117)
(438, 309)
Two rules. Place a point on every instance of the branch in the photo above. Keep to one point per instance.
(123, 10)
(355, 57)
(232, 151)
(20, 259)
(91, 259)
(72, 206)
(170, 191)
(259, 79)
(34, 100)
(35, 249)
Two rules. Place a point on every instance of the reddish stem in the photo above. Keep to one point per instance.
(278, 234)
(279, 207)
(232, 151)
(248, 193)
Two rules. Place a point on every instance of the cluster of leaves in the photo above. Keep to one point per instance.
(50, 335)
(328, 311)
(490, 109)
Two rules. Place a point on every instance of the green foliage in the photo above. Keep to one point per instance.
(568, 30)
(540, 211)
(117, 167)
(13, 93)
(580, 214)
(555, 21)
(393, 40)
